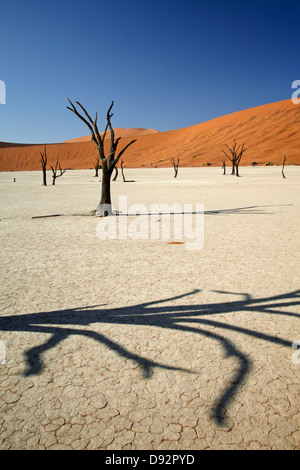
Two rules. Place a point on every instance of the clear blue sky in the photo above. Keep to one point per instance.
(167, 64)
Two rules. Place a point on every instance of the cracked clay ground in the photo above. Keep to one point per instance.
(141, 344)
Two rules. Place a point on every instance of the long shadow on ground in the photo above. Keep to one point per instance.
(63, 323)
(248, 210)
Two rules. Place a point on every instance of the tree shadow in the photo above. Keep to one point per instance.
(248, 210)
(186, 318)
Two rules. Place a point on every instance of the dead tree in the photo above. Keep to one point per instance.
(235, 156)
(123, 172)
(97, 166)
(284, 160)
(124, 179)
(175, 165)
(239, 157)
(108, 162)
(54, 172)
(224, 167)
(44, 165)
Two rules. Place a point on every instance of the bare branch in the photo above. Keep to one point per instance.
(112, 133)
(94, 123)
(226, 155)
(115, 161)
(74, 110)
(104, 134)
(116, 173)
(54, 171)
(85, 112)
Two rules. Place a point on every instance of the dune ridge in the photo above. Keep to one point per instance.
(269, 132)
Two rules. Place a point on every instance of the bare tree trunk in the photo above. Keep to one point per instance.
(224, 167)
(123, 172)
(284, 160)
(97, 166)
(104, 208)
(175, 166)
(44, 165)
(44, 177)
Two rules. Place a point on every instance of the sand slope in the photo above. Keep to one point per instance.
(269, 131)
(119, 132)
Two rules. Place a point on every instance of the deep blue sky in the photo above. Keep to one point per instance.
(167, 64)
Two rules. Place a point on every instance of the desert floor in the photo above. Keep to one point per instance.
(143, 344)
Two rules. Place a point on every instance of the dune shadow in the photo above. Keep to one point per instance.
(197, 319)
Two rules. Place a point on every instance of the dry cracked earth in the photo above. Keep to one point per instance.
(142, 345)
(148, 377)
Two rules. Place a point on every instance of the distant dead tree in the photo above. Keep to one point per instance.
(44, 165)
(224, 167)
(97, 166)
(284, 160)
(235, 156)
(238, 159)
(108, 162)
(123, 172)
(55, 170)
(124, 179)
(175, 165)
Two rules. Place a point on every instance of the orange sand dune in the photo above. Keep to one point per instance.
(119, 132)
(269, 131)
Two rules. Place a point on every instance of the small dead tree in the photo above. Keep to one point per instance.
(175, 166)
(283, 163)
(123, 171)
(97, 166)
(235, 156)
(224, 167)
(108, 162)
(55, 170)
(124, 179)
(44, 165)
(238, 159)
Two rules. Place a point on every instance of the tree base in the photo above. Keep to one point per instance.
(104, 210)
